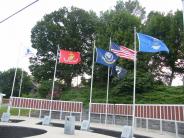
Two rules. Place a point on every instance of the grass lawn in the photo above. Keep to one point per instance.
(13, 111)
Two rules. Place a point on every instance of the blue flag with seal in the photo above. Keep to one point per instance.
(150, 44)
(105, 58)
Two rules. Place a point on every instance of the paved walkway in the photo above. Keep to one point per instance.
(56, 132)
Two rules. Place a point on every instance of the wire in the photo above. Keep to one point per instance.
(18, 11)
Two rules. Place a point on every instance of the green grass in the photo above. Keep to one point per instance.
(163, 95)
(82, 94)
(160, 95)
(14, 111)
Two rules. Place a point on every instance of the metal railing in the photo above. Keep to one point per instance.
(44, 104)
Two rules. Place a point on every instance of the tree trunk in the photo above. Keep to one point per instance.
(171, 78)
(68, 82)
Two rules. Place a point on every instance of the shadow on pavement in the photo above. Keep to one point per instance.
(19, 132)
(107, 132)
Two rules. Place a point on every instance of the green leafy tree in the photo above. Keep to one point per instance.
(6, 81)
(118, 24)
(169, 28)
(45, 89)
(70, 29)
(132, 7)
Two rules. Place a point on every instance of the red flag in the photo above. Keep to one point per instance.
(69, 57)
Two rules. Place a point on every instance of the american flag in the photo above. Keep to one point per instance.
(123, 51)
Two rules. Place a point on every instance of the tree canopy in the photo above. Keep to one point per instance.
(70, 29)
(75, 29)
(168, 28)
(6, 81)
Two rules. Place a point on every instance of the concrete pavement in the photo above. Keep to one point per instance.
(58, 132)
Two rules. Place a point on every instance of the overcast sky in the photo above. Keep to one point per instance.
(15, 32)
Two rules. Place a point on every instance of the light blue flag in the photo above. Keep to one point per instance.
(150, 44)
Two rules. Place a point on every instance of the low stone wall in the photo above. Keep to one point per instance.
(119, 120)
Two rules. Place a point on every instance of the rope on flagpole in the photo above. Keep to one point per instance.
(53, 83)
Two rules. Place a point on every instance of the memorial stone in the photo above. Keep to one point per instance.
(126, 132)
(69, 126)
(5, 117)
(85, 125)
(46, 120)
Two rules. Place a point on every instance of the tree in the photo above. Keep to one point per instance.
(118, 24)
(6, 80)
(168, 28)
(70, 29)
(132, 7)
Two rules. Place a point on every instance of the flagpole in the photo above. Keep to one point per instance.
(134, 88)
(20, 88)
(13, 85)
(50, 112)
(183, 12)
(107, 96)
(21, 80)
(91, 89)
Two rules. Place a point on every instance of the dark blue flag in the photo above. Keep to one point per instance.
(150, 44)
(105, 57)
(119, 72)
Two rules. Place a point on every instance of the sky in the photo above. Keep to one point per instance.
(15, 33)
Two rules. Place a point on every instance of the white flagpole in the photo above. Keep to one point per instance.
(50, 112)
(134, 89)
(183, 11)
(21, 80)
(13, 85)
(20, 88)
(107, 96)
(91, 89)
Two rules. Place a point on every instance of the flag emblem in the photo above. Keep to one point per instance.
(69, 57)
(155, 45)
(109, 58)
(119, 72)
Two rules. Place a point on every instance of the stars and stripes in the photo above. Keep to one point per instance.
(123, 51)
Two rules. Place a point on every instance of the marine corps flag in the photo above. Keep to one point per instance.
(69, 57)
